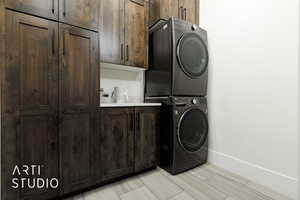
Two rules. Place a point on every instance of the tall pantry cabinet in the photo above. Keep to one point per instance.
(49, 82)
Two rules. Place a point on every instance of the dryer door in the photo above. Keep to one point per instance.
(192, 129)
(192, 54)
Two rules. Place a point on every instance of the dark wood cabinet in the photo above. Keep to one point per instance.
(124, 36)
(183, 9)
(50, 100)
(83, 13)
(78, 101)
(112, 31)
(117, 142)
(136, 33)
(43, 8)
(189, 10)
(30, 102)
(129, 140)
(147, 131)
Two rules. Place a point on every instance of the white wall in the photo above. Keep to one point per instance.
(253, 88)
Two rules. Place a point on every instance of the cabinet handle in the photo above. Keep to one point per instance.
(122, 51)
(53, 42)
(185, 11)
(64, 8)
(181, 12)
(64, 43)
(127, 52)
(53, 7)
(138, 122)
(132, 121)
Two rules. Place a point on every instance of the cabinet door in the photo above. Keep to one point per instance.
(112, 31)
(190, 10)
(30, 91)
(117, 142)
(81, 13)
(147, 131)
(169, 8)
(43, 8)
(78, 101)
(136, 33)
(163, 9)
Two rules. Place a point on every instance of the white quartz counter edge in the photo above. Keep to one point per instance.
(106, 105)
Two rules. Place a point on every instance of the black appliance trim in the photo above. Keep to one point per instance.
(190, 74)
(179, 125)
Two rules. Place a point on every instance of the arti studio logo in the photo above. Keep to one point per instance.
(29, 176)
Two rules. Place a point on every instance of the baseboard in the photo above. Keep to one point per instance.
(276, 181)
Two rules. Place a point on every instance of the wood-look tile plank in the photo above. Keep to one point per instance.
(235, 189)
(211, 192)
(266, 191)
(78, 197)
(196, 194)
(105, 193)
(69, 198)
(162, 187)
(182, 196)
(128, 185)
(222, 172)
(202, 173)
(207, 182)
(139, 194)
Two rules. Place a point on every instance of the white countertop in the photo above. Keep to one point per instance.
(105, 105)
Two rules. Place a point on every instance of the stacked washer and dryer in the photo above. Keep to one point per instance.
(177, 78)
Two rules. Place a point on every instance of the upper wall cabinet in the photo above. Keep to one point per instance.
(82, 13)
(189, 10)
(183, 9)
(43, 8)
(112, 31)
(136, 34)
(124, 32)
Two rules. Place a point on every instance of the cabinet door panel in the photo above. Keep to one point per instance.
(79, 72)
(136, 33)
(43, 8)
(31, 91)
(190, 10)
(112, 31)
(81, 13)
(169, 8)
(117, 135)
(76, 154)
(147, 131)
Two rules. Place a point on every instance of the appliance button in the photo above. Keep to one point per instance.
(176, 112)
(194, 27)
(194, 101)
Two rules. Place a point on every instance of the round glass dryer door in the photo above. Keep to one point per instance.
(193, 130)
(192, 54)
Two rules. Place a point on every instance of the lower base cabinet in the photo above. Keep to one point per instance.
(129, 140)
(117, 142)
(146, 137)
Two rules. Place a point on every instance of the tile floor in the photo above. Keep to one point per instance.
(207, 182)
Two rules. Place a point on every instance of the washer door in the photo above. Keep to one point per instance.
(192, 54)
(192, 129)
